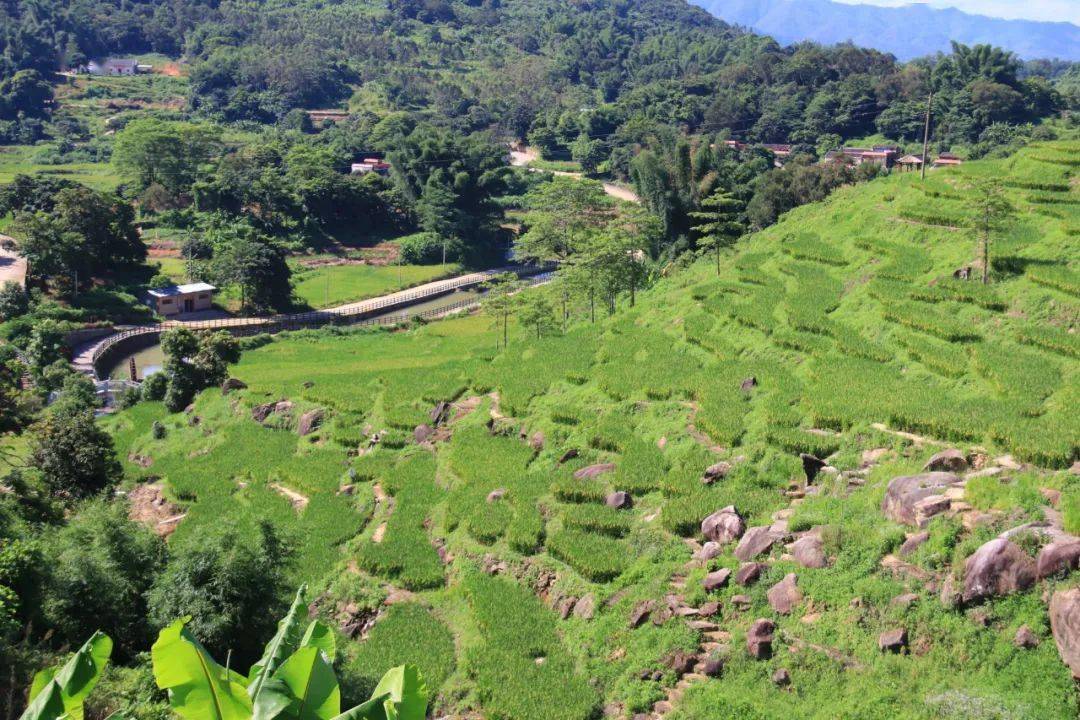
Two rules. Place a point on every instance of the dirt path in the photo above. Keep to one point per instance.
(523, 158)
(298, 501)
(12, 266)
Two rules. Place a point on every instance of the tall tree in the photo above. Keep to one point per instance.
(719, 226)
(991, 214)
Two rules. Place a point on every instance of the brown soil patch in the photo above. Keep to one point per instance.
(298, 501)
(149, 506)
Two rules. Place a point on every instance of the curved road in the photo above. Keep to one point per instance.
(12, 266)
(522, 159)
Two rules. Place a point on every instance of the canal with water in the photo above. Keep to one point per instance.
(149, 360)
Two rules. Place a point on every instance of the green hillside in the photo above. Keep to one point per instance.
(863, 350)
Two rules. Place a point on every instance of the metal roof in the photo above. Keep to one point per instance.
(173, 290)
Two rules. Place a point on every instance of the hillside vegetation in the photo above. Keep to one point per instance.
(538, 599)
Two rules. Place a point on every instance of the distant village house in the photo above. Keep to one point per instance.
(947, 160)
(883, 156)
(909, 162)
(370, 165)
(181, 299)
(114, 66)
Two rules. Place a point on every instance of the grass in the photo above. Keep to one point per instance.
(332, 285)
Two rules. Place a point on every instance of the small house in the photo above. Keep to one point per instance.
(947, 160)
(882, 156)
(909, 162)
(181, 299)
(370, 165)
(112, 66)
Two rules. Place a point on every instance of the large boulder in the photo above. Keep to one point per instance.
(759, 638)
(716, 580)
(1065, 625)
(997, 568)
(1058, 556)
(905, 493)
(310, 421)
(785, 595)
(951, 460)
(709, 551)
(748, 573)
(755, 541)
(809, 552)
(723, 526)
(592, 471)
(912, 542)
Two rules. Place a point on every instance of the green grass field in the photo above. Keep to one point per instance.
(332, 285)
(846, 316)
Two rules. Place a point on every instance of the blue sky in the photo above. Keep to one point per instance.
(1053, 10)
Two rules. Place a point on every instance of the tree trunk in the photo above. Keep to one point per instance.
(592, 305)
(718, 259)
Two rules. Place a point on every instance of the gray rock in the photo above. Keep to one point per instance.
(759, 639)
(709, 551)
(568, 455)
(913, 542)
(754, 542)
(1059, 556)
(906, 491)
(811, 466)
(1025, 638)
(997, 568)
(232, 384)
(586, 607)
(716, 580)
(1065, 625)
(781, 678)
(496, 495)
(619, 500)
(785, 595)
(723, 526)
(310, 421)
(715, 472)
(423, 433)
(749, 573)
(809, 552)
(640, 613)
(592, 471)
(893, 641)
(951, 460)
(536, 442)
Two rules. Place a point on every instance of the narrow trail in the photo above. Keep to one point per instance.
(520, 158)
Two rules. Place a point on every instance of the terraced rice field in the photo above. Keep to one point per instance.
(840, 332)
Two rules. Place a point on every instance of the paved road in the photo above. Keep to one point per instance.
(522, 159)
(12, 266)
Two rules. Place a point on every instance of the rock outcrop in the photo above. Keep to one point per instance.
(754, 542)
(997, 568)
(785, 595)
(723, 526)
(914, 499)
(1065, 625)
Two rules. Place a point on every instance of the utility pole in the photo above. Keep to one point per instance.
(926, 133)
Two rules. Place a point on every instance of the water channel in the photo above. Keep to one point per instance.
(148, 360)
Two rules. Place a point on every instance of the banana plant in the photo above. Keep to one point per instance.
(58, 693)
(293, 680)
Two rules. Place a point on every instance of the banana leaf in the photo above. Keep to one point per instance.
(47, 705)
(373, 709)
(76, 678)
(408, 696)
(199, 688)
(312, 686)
(285, 641)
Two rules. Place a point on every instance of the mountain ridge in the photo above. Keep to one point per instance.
(908, 31)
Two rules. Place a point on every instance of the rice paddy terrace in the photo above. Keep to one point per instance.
(526, 524)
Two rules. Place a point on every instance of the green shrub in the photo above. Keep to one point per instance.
(595, 557)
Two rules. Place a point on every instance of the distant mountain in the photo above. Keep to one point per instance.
(907, 32)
